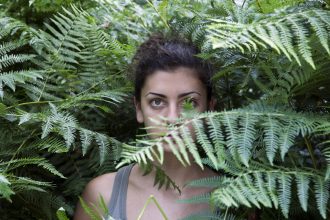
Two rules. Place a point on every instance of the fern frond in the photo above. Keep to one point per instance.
(21, 184)
(103, 143)
(274, 132)
(264, 194)
(86, 137)
(284, 193)
(274, 32)
(286, 140)
(271, 138)
(202, 139)
(5, 190)
(303, 188)
(51, 144)
(189, 142)
(211, 182)
(7, 47)
(246, 137)
(271, 185)
(89, 209)
(322, 195)
(63, 43)
(16, 163)
(230, 120)
(11, 59)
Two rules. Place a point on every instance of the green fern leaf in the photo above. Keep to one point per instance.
(189, 142)
(280, 41)
(318, 27)
(68, 129)
(89, 210)
(203, 140)
(40, 162)
(284, 199)
(302, 188)
(246, 137)
(322, 195)
(47, 127)
(86, 138)
(229, 121)
(286, 140)
(24, 118)
(214, 128)
(52, 144)
(327, 173)
(263, 193)
(271, 138)
(271, 188)
(303, 41)
(239, 195)
(61, 215)
(5, 190)
(182, 148)
(249, 189)
(103, 143)
(212, 182)
(274, 32)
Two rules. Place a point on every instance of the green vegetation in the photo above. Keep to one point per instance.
(66, 109)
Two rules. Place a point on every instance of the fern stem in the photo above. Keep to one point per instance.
(18, 149)
(99, 82)
(225, 217)
(150, 199)
(310, 151)
(243, 3)
(43, 88)
(36, 102)
(161, 17)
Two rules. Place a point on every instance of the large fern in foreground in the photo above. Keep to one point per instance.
(255, 148)
(40, 111)
(286, 31)
(270, 157)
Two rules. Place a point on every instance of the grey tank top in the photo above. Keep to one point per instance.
(117, 205)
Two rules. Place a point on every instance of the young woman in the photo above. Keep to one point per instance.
(167, 73)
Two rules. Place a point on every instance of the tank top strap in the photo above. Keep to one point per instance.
(117, 204)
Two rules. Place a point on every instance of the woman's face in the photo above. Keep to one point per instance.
(163, 95)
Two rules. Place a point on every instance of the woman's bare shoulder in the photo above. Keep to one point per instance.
(104, 179)
(100, 186)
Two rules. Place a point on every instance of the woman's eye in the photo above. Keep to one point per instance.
(156, 103)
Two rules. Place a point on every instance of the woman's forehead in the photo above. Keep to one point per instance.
(182, 78)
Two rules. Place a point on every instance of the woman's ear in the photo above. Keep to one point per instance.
(139, 114)
(212, 104)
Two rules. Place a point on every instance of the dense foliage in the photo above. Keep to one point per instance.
(66, 107)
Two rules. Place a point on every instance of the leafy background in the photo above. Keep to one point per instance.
(66, 104)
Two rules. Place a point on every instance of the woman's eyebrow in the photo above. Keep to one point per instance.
(188, 93)
(180, 96)
(156, 94)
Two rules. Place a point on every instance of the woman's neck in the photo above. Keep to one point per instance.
(178, 173)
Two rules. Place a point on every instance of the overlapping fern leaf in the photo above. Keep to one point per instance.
(32, 132)
(287, 31)
(238, 130)
(236, 142)
(9, 76)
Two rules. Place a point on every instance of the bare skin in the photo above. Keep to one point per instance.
(162, 95)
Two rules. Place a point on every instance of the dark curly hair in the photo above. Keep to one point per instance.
(162, 53)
